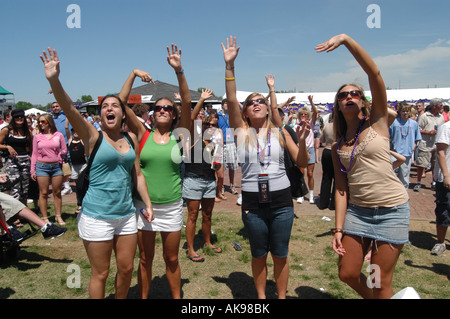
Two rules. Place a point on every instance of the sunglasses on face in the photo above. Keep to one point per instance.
(210, 124)
(42, 122)
(355, 94)
(166, 108)
(259, 101)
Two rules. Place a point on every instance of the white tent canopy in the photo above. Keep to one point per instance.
(34, 111)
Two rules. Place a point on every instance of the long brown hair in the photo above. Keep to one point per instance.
(339, 124)
(51, 123)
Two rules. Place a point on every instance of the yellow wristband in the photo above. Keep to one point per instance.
(230, 79)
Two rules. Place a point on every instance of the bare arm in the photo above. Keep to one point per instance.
(399, 159)
(133, 122)
(174, 60)
(276, 118)
(206, 94)
(313, 110)
(85, 130)
(340, 200)
(230, 53)
(377, 86)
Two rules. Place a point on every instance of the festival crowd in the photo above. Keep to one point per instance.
(148, 163)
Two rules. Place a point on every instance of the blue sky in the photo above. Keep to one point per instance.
(412, 46)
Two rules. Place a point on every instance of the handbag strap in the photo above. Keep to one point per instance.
(96, 146)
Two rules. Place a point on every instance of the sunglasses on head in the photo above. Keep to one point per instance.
(355, 93)
(259, 101)
(166, 108)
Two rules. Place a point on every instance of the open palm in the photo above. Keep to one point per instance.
(51, 64)
(231, 51)
(174, 57)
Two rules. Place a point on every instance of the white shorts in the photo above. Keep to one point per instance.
(168, 217)
(92, 229)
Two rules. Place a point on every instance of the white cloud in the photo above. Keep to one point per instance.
(417, 68)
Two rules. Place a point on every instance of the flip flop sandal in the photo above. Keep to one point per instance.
(216, 249)
(193, 258)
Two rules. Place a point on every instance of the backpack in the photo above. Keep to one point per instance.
(83, 178)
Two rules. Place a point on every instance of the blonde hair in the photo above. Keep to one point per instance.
(340, 126)
(251, 136)
(304, 110)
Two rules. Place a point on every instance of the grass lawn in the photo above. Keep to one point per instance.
(46, 268)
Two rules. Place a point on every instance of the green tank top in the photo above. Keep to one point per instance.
(160, 164)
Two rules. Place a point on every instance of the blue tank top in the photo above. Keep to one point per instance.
(109, 195)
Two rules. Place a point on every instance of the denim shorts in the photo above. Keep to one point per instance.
(48, 169)
(269, 230)
(312, 155)
(196, 187)
(387, 224)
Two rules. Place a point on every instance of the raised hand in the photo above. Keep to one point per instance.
(51, 64)
(331, 44)
(174, 58)
(206, 94)
(230, 52)
(270, 80)
(303, 129)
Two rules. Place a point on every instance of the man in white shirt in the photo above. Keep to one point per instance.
(442, 178)
(428, 125)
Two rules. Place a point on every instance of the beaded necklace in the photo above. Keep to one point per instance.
(353, 151)
(401, 128)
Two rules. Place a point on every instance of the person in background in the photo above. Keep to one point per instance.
(229, 152)
(49, 149)
(442, 178)
(428, 123)
(404, 134)
(63, 126)
(305, 114)
(16, 142)
(11, 208)
(327, 186)
(78, 160)
(199, 184)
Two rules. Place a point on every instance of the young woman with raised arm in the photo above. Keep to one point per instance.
(160, 163)
(107, 221)
(267, 209)
(371, 203)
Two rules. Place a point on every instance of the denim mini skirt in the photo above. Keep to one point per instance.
(387, 224)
